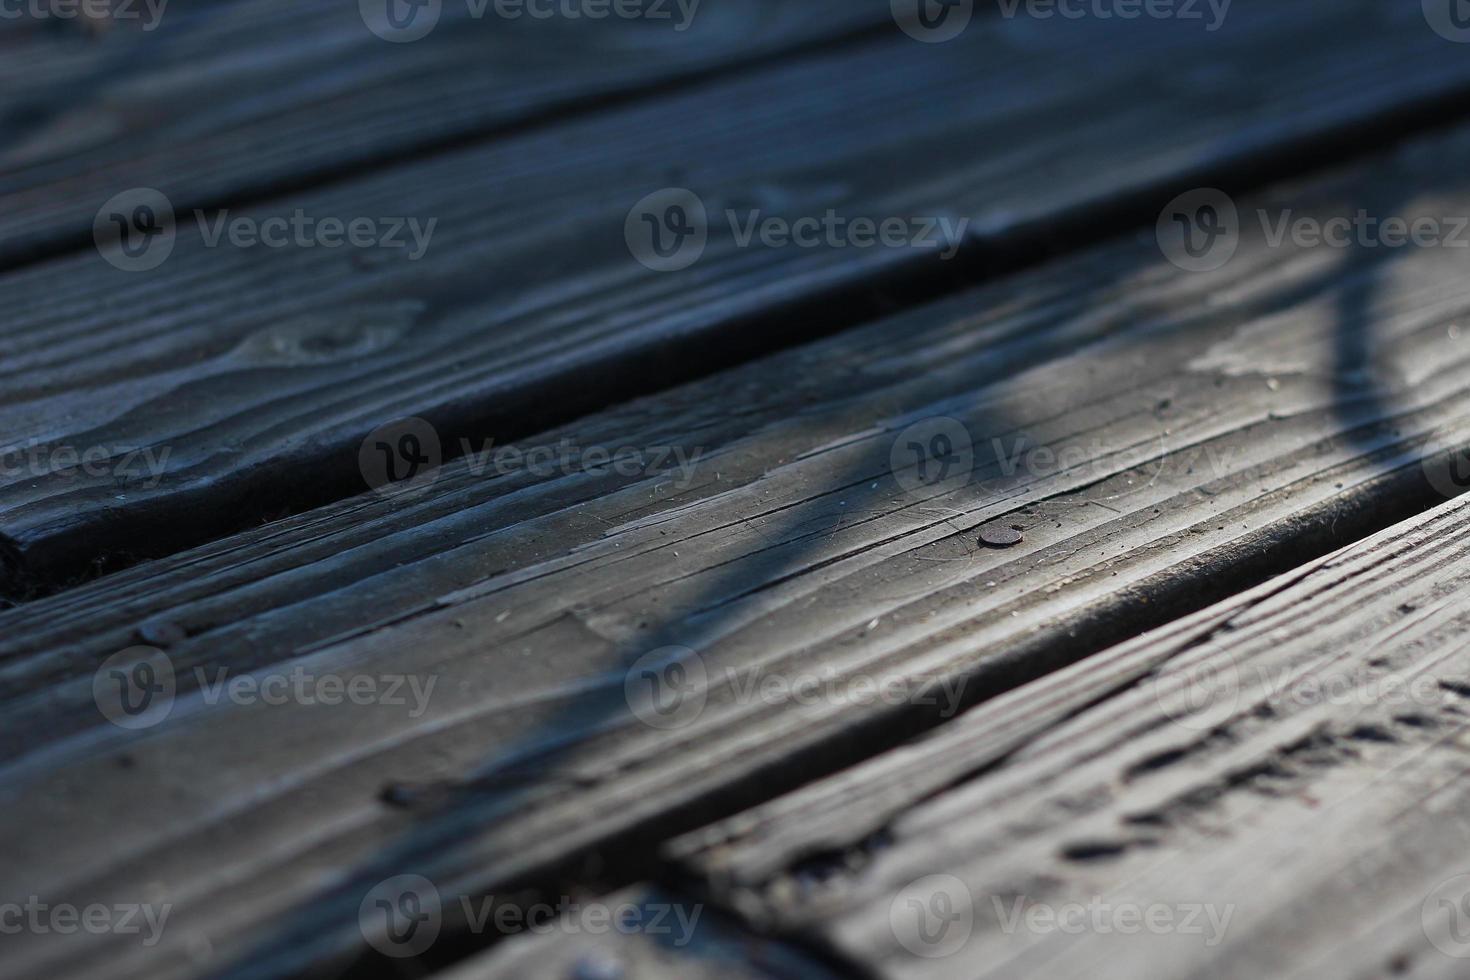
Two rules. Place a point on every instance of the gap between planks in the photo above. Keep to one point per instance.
(530, 598)
(263, 407)
(316, 97)
(1293, 756)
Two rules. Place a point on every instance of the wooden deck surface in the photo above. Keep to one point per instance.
(262, 405)
(798, 612)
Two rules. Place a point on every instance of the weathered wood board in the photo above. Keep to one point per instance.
(215, 102)
(230, 385)
(641, 932)
(1274, 786)
(1204, 430)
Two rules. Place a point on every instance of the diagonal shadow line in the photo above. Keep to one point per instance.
(502, 779)
(501, 787)
(1355, 377)
(520, 772)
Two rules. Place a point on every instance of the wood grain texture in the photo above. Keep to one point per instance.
(1291, 760)
(227, 100)
(253, 375)
(1216, 427)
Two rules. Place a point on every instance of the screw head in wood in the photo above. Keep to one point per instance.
(1000, 536)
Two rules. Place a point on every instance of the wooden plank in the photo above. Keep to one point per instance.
(643, 932)
(528, 308)
(217, 101)
(1224, 425)
(1288, 767)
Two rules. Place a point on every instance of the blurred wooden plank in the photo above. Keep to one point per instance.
(1286, 768)
(1216, 428)
(653, 936)
(253, 376)
(218, 101)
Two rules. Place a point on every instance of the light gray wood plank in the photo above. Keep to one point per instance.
(1285, 770)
